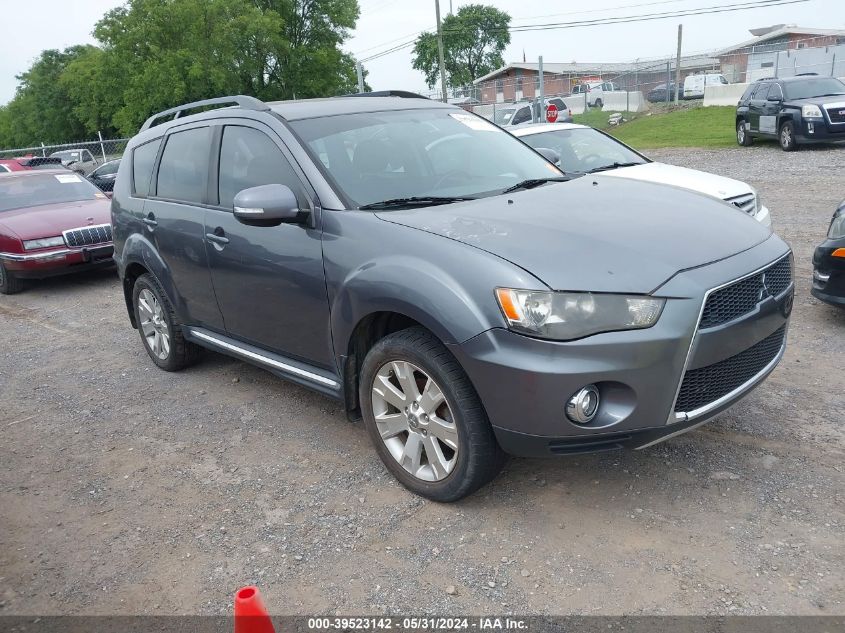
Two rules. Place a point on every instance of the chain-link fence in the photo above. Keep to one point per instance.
(506, 95)
(80, 156)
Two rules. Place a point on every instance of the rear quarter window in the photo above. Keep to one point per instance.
(143, 159)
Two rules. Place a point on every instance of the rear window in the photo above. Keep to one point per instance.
(143, 158)
(32, 190)
(183, 170)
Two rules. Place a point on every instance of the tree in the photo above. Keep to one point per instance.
(155, 54)
(473, 41)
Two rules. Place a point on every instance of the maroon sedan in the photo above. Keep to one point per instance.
(52, 222)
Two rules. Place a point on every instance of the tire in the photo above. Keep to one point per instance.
(416, 359)
(743, 137)
(160, 329)
(599, 103)
(786, 137)
(9, 284)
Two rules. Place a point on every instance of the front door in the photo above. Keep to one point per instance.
(269, 280)
(756, 105)
(770, 109)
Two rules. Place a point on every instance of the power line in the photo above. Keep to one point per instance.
(647, 17)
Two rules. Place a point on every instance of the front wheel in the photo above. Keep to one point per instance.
(599, 103)
(787, 137)
(425, 419)
(742, 135)
(9, 284)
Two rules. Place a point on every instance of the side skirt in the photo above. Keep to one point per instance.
(289, 369)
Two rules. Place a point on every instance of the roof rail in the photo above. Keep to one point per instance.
(807, 75)
(402, 94)
(243, 101)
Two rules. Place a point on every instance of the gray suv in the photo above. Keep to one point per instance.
(443, 280)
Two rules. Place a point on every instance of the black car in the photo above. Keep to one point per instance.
(802, 109)
(105, 174)
(829, 262)
(658, 94)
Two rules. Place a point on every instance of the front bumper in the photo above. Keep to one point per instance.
(57, 261)
(525, 383)
(829, 273)
(820, 131)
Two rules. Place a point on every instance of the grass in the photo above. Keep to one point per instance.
(688, 127)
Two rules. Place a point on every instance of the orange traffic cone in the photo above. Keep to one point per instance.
(250, 613)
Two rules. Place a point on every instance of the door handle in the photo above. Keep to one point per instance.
(150, 220)
(217, 239)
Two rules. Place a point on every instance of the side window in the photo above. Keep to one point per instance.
(86, 156)
(143, 158)
(183, 170)
(522, 115)
(775, 92)
(248, 158)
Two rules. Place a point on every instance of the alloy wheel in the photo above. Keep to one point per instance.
(415, 421)
(786, 136)
(153, 324)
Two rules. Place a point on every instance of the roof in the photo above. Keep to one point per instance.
(601, 68)
(331, 106)
(31, 173)
(780, 31)
(535, 128)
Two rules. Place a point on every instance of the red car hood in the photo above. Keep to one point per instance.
(49, 220)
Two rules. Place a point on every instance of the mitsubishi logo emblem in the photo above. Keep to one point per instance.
(764, 291)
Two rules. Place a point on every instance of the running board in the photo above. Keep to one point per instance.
(294, 371)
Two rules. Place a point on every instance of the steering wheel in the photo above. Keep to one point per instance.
(452, 173)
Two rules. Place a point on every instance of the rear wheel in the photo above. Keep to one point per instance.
(743, 137)
(599, 103)
(787, 137)
(425, 419)
(160, 329)
(9, 284)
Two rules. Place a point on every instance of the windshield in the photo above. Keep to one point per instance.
(378, 156)
(503, 115)
(583, 149)
(807, 88)
(74, 156)
(32, 190)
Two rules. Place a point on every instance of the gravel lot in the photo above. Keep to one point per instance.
(127, 490)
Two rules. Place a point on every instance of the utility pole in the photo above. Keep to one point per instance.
(440, 51)
(678, 65)
(360, 70)
(542, 90)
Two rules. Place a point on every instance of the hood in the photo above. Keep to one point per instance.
(701, 181)
(819, 101)
(50, 220)
(595, 233)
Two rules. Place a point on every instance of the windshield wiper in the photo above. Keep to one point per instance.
(534, 182)
(415, 201)
(613, 166)
(829, 94)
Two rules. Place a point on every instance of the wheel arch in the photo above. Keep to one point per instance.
(140, 257)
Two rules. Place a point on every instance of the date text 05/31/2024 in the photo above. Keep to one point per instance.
(418, 623)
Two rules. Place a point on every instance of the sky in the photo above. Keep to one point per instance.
(30, 27)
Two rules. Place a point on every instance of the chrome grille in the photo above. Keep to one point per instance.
(741, 297)
(747, 203)
(707, 384)
(836, 113)
(88, 235)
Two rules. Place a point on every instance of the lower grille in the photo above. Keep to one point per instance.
(741, 297)
(707, 384)
(747, 202)
(88, 235)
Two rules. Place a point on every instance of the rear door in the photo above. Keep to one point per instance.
(269, 280)
(174, 214)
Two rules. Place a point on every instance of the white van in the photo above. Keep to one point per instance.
(694, 84)
(595, 91)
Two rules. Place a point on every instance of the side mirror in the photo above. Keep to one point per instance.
(775, 99)
(268, 205)
(549, 154)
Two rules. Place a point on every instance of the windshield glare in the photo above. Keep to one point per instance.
(583, 149)
(17, 192)
(808, 88)
(379, 156)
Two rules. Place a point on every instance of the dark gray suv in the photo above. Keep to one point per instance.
(443, 280)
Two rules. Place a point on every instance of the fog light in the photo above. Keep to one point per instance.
(810, 128)
(583, 406)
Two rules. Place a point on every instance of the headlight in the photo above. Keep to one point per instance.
(811, 111)
(44, 243)
(837, 226)
(565, 316)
